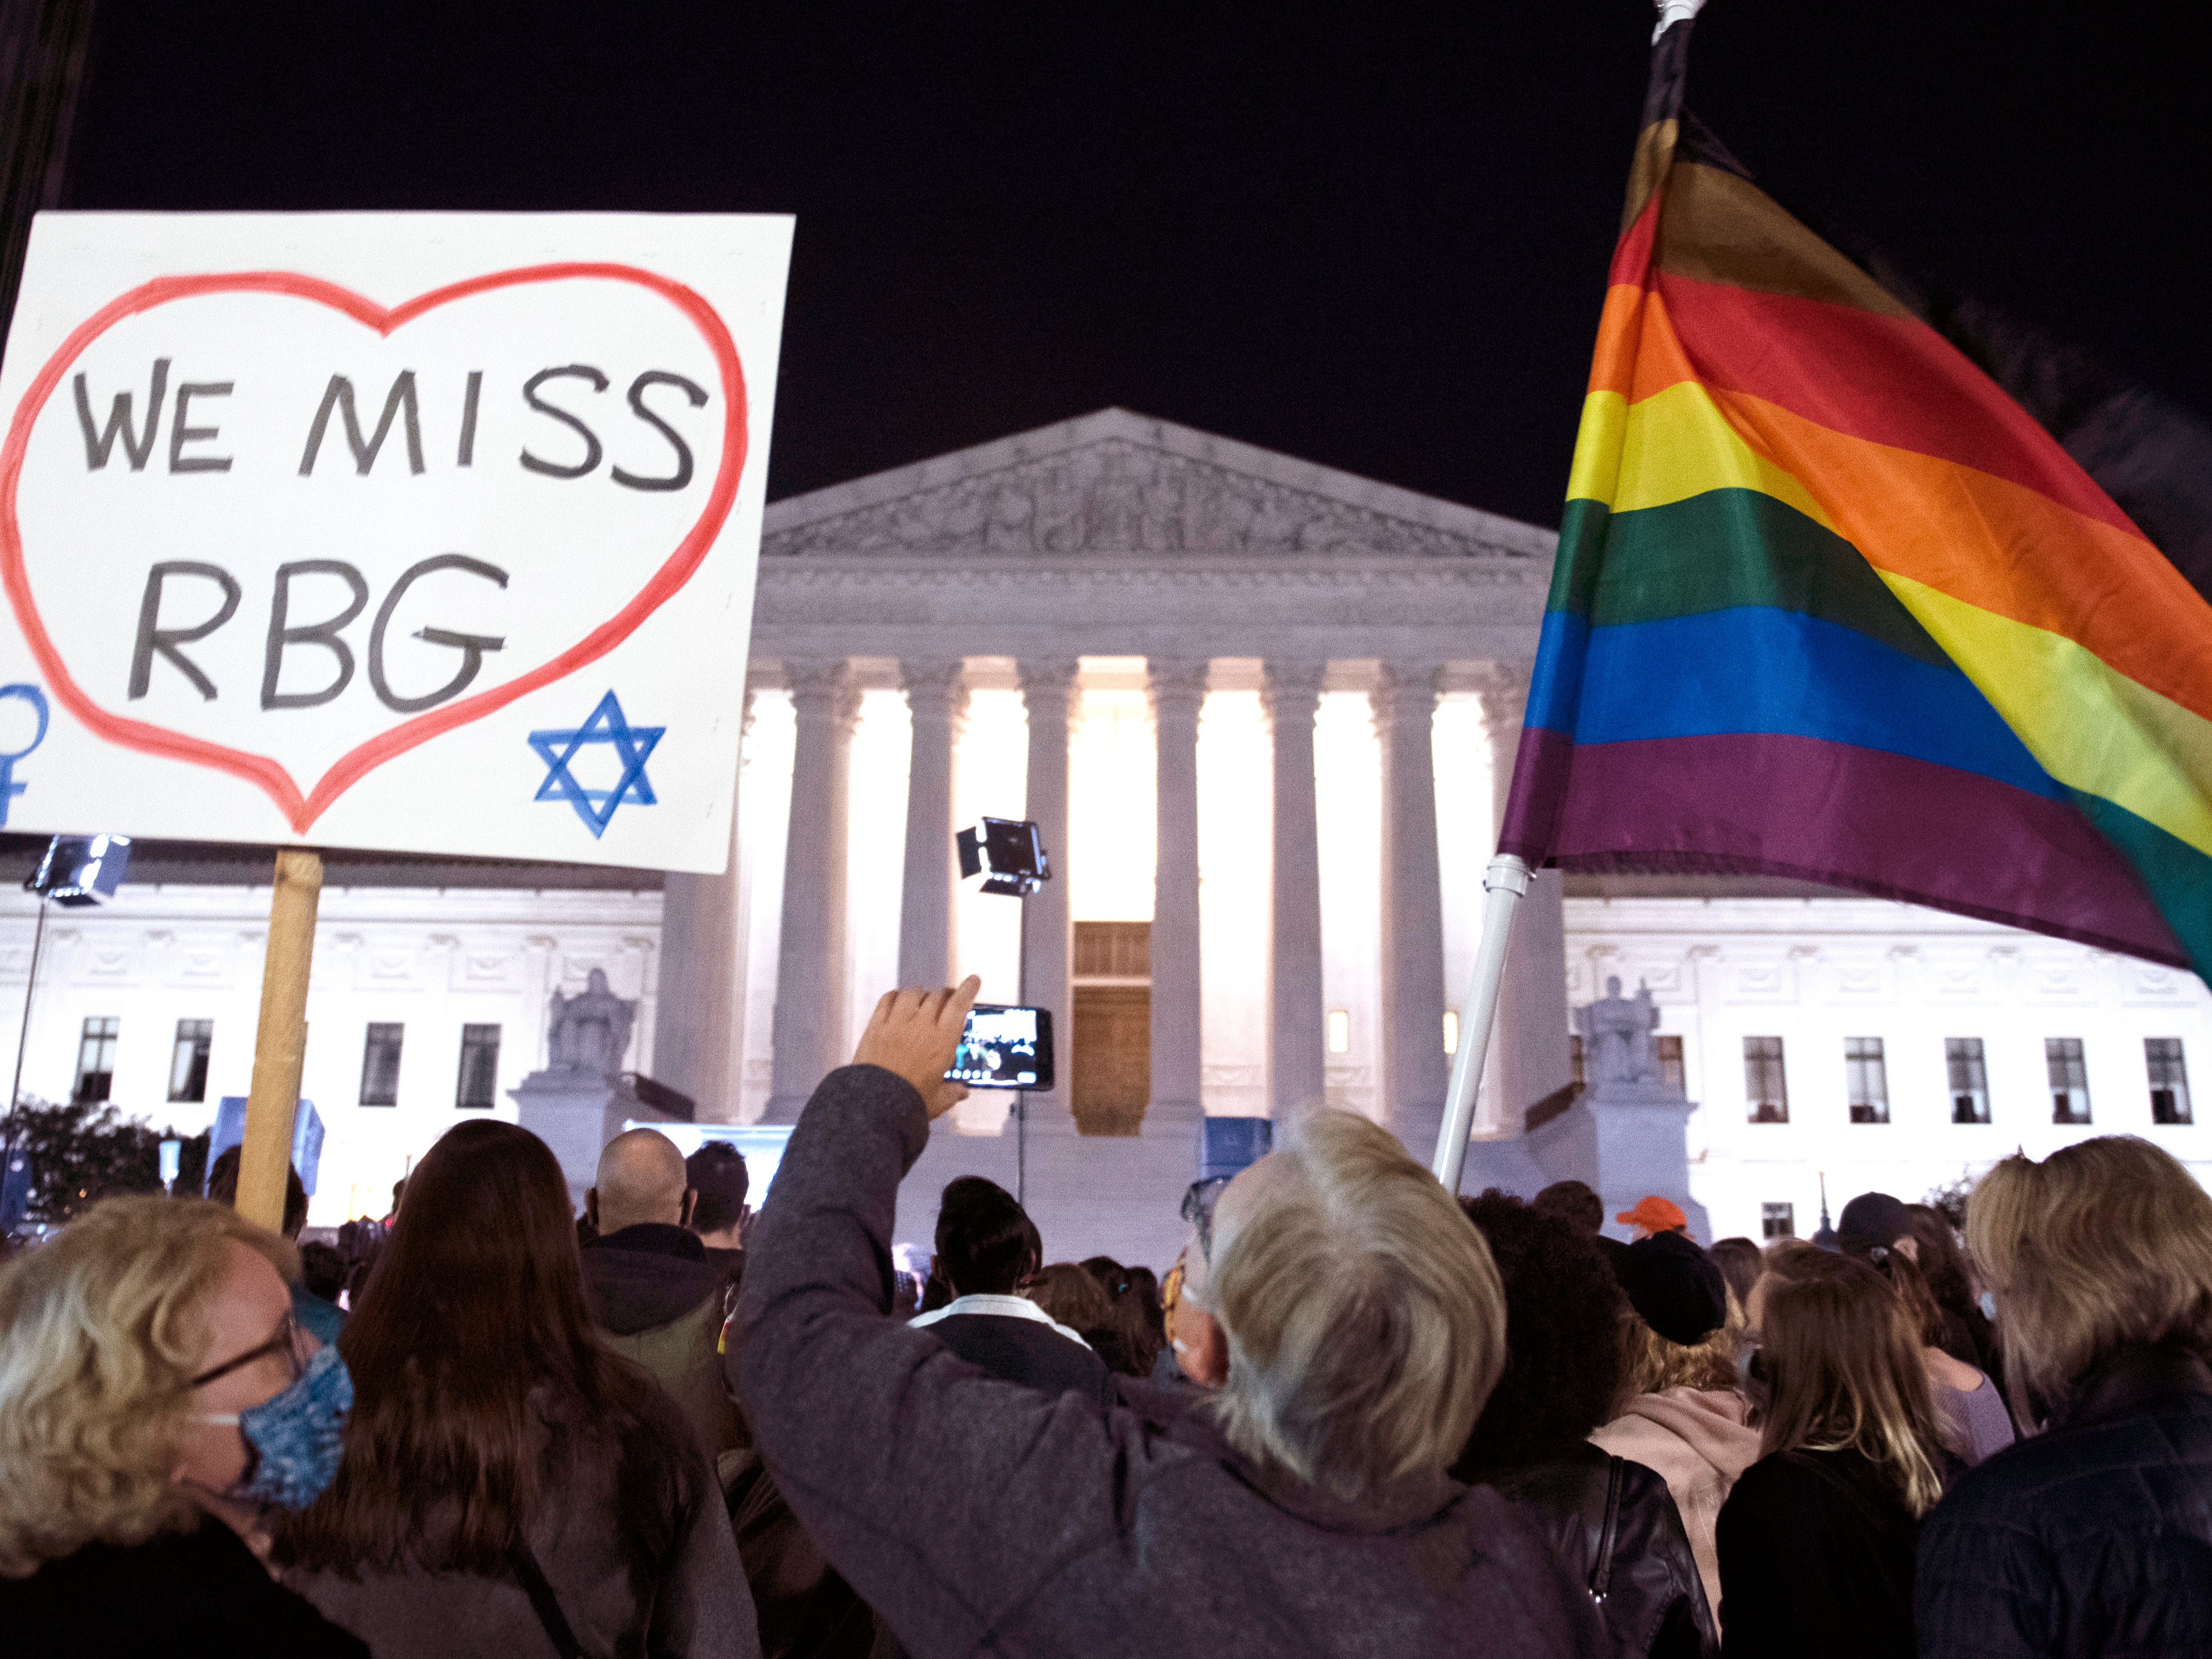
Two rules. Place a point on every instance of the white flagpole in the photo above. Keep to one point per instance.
(1504, 886)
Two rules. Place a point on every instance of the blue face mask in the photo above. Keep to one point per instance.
(295, 1437)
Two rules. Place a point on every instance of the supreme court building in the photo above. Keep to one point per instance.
(1257, 707)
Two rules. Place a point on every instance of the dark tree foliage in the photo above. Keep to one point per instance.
(1949, 1200)
(81, 1152)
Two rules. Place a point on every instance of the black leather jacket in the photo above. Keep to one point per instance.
(1614, 1525)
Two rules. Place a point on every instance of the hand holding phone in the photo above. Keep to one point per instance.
(913, 1035)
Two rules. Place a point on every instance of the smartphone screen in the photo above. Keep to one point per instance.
(1004, 1048)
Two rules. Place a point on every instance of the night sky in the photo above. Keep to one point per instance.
(1373, 236)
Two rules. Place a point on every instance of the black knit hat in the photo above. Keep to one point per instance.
(1675, 1286)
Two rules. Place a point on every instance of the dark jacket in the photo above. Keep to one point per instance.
(633, 1541)
(200, 1591)
(730, 1265)
(660, 1299)
(806, 1611)
(2093, 1538)
(1816, 1560)
(974, 1514)
(1615, 1524)
(1027, 1352)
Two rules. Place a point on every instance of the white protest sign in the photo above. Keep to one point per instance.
(433, 532)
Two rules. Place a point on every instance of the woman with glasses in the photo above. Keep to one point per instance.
(158, 1407)
(1195, 1338)
(509, 1481)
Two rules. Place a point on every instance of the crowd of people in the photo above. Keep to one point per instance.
(1358, 1417)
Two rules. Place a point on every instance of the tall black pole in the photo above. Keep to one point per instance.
(1022, 1096)
(30, 990)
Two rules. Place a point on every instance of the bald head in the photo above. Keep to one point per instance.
(641, 1179)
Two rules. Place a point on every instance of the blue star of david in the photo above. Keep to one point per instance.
(633, 745)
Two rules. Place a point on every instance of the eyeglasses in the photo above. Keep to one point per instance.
(286, 1341)
(1198, 1202)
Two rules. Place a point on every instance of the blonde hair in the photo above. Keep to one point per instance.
(1652, 1365)
(100, 1330)
(1845, 1363)
(2106, 1243)
(1364, 1319)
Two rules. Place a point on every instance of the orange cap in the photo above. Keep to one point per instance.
(1661, 1215)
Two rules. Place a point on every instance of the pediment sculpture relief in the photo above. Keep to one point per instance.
(1118, 497)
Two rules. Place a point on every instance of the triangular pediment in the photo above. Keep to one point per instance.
(1117, 484)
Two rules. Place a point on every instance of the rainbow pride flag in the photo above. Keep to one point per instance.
(1829, 605)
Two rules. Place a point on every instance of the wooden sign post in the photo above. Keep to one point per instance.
(279, 1044)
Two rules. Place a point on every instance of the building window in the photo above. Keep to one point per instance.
(1765, 1090)
(2169, 1080)
(1340, 1031)
(96, 1059)
(1670, 1063)
(188, 1060)
(1866, 1079)
(379, 1066)
(477, 1088)
(1970, 1079)
(2070, 1079)
(1777, 1221)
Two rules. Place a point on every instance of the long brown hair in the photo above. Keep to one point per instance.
(1843, 1361)
(1909, 1284)
(1071, 1296)
(1137, 1319)
(477, 1371)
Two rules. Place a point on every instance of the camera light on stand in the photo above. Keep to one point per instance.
(1340, 1031)
(1007, 853)
(81, 870)
(1451, 1030)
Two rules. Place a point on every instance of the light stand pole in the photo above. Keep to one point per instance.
(1008, 854)
(1022, 1096)
(30, 987)
(76, 870)
(22, 1041)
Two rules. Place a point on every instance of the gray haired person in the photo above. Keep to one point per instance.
(1302, 1507)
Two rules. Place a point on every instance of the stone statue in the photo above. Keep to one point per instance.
(1617, 1045)
(588, 1034)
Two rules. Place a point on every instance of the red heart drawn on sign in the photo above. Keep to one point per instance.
(301, 810)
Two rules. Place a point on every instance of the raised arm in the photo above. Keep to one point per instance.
(946, 1498)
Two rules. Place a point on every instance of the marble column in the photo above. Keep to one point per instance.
(810, 1012)
(698, 1043)
(1048, 942)
(936, 695)
(1413, 1064)
(1178, 691)
(1530, 1058)
(1298, 1034)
